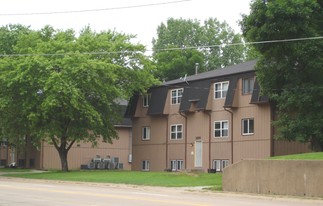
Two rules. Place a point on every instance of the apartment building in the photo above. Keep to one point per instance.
(44, 156)
(204, 122)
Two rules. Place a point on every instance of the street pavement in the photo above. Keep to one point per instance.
(18, 192)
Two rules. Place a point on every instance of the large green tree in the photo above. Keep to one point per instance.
(62, 88)
(290, 72)
(181, 43)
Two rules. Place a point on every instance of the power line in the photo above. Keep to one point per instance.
(166, 49)
(75, 53)
(94, 10)
(240, 43)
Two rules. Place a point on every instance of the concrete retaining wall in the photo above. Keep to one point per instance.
(281, 177)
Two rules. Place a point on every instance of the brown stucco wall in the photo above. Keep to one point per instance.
(279, 177)
(82, 153)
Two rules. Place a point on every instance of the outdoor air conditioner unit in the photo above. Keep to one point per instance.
(116, 159)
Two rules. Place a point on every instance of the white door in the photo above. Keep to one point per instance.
(198, 153)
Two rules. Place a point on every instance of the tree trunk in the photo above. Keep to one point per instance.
(63, 156)
(62, 150)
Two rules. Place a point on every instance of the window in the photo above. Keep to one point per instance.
(176, 165)
(221, 128)
(247, 85)
(224, 164)
(145, 133)
(177, 96)
(176, 131)
(145, 100)
(220, 90)
(3, 162)
(4, 143)
(247, 126)
(145, 165)
(219, 165)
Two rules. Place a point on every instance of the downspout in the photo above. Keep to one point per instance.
(272, 130)
(41, 155)
(231, 131)
(166, 142)
(26, 150)
(210, 138)
(8, 154)
(185, 140)
(130, 147)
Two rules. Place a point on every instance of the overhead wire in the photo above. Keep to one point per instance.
(165, 49)
(94, 10)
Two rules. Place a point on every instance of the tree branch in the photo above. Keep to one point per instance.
(55, 143)
(71, 144)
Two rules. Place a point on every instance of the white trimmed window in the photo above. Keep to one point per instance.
(247, 85)
(176, 165)
(221, 128)
(145, 133)
(221, 89)
(224, 163)
(219, 165)
(176, 96)
(145, 100)
(248, 126)
(176, 131)
(145, 165)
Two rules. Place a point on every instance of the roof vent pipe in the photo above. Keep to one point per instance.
(196, 68)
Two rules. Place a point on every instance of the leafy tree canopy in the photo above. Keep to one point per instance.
(63, 88)
(290, 72)
(187, 42)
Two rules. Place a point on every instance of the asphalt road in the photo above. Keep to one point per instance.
(17, 192)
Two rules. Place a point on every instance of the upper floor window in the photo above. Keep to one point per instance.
(145, 100)
(247, 126)
(145, 133)
(220, 90)
(221, 128)
(247, 85)
(176, 131)
(177, 96)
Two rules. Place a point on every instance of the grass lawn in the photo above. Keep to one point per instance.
(13, 170)
(167, 179)
(305, 156)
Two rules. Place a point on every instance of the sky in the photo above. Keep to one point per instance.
(138, 17)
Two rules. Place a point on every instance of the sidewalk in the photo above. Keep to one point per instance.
(24, 172)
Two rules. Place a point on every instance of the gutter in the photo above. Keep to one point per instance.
(167, 122)
(185, 140)
(210, 139)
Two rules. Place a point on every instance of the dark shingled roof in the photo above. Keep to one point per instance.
(230, 70)
(132, 105)
(198, 92)
(256, 97)
(231, 91)
(157, 100)
(197, 88)
(125, 121)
